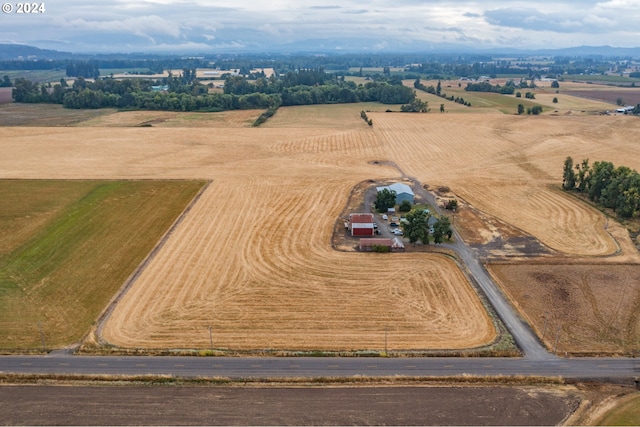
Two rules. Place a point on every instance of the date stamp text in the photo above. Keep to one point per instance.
(23, 8)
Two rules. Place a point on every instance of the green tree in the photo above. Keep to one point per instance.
(442, 108)
(405, 206)
(438, 88)
(581, 177)
(416, 226)
(555, 84)
(441, 228)
(6, 82)
(386, 199)
(568, 175)
(416, 106)
(598, 179)
(520, 108)
(555, 100)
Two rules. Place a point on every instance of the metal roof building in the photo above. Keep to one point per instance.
(403, 192)
(361, 224)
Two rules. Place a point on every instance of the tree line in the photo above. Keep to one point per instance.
(508, 89)
(616, 188)
(185, 93)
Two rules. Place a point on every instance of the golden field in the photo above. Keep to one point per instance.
(253, 259)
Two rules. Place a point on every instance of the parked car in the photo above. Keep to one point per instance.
(385, 217)
(393, 224)
(397, 232)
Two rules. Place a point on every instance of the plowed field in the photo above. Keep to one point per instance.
(578, 308)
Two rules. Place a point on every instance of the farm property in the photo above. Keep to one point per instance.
(253, 258)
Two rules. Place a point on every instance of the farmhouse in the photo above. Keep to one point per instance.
(394, 245)
(403, 192)
(361, 224)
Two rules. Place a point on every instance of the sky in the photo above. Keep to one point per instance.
(173, 26)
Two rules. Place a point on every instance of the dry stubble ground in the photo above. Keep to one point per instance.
(262, 241)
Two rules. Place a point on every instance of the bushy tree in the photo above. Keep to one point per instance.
(416, 106)
(568, 175)
(386, 199)
(441, 228)
(581, 177)
(405, 206)
(535, 110)
(416, 226)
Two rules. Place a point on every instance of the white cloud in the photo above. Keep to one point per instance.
(242, 23)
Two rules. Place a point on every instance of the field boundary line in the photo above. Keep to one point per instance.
(106, 314)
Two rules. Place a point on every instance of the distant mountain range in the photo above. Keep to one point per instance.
(330, 47)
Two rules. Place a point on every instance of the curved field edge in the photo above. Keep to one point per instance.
(267, 279)
(625, 412)
(89, 235)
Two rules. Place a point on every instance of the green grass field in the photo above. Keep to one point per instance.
(36, 76)
(109, 71)
(627, 414)
(601, 79)
(69, 246)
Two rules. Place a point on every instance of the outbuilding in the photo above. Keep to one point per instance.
(361, 224)
(393, 245)
(403, 192)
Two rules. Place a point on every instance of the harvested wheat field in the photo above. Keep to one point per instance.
(578, 308)
(510, 167)
(253, 259)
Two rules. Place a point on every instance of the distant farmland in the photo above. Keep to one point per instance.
(628, 96)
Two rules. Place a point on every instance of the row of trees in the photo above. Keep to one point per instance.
(438, 92)
(616, 188)
(535, 110)
(508, 89)
(363, 116)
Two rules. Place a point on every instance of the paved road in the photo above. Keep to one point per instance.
(521, 332)
(537, 361)
(624, 369)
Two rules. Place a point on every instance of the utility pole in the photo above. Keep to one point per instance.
(44, 344)
(555, 347)
(210, 340)
(385, 340)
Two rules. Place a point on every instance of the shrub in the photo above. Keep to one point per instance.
(405, 206)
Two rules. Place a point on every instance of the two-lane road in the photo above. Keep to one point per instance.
(315, 367)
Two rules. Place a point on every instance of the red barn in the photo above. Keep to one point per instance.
(361, 224)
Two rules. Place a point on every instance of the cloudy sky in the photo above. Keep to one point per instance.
(374, 25)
